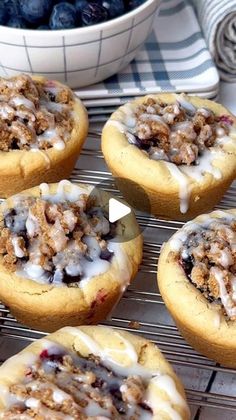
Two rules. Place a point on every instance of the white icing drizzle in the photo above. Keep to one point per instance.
(129, 349)
(33, 271)
(161, 380)
(204, 166)
(24, 359)
(184, 187)
(31, 224)
(217, 319)
(71, 193)
(226, 299)
(166, 384)
(188, 106)
(5, 110)
(153, 117)
(21, 100)
(32, 403)
(203, 221)
(59, 396)
(17, 249)
(51, 135)
(105, 354)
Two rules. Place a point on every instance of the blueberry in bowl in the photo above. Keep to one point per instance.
(77, 42)
(63, 16)
(35, 11)
(94, 13)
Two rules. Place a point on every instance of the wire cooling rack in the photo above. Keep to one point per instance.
(210, 387)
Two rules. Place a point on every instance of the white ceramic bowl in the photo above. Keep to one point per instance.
(80, 56)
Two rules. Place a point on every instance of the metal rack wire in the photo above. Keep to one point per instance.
(142, 299)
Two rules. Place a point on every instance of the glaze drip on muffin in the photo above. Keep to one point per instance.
(56, 241)
(62, 385)
(34, 114)
(207, 253)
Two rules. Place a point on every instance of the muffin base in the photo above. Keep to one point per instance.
(148, 355)
(47, 308)
(23, 169)
(199, 321)
(128, 163)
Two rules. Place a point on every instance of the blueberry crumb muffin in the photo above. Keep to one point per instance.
(181, 150)
(42, 129)
(90, 373)
(197, 280)
(61, 261)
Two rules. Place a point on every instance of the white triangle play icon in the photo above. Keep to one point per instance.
(117, 210)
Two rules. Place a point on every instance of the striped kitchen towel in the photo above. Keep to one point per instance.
(218, 21)
(174, 58)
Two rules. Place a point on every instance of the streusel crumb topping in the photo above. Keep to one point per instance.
(208, 257)
(61, 385)
(178, 133)
(34, 114)
(58, 243)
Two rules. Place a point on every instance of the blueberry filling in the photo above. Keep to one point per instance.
(144, 144)
(187, 264)
(106, 254)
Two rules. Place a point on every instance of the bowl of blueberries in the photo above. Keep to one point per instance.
(78, 42)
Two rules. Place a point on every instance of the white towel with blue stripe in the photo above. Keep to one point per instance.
(175, 58)
(218, 21)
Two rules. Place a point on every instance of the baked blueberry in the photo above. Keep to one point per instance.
(63, 16)
(35, 11)
(114, 7)
(106, 254)
(94, 13)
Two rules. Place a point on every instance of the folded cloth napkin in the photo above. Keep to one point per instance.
(218, 21)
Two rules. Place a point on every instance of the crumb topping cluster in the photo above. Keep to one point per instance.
(61, 385)
(178, 132)
(33, 114)
(208, 257)
(55, 243)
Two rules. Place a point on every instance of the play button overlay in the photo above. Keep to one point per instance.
(117, 210)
